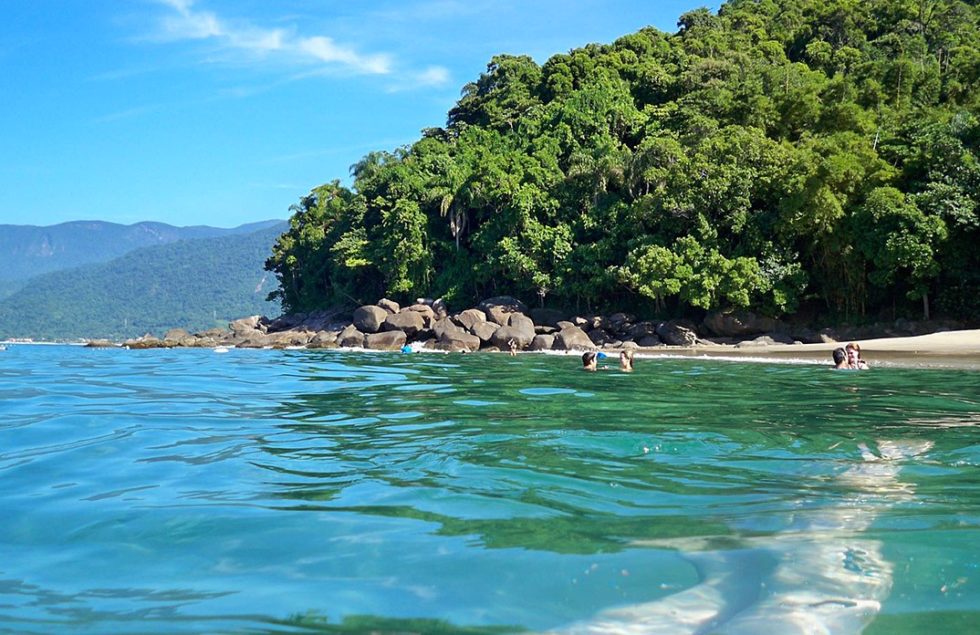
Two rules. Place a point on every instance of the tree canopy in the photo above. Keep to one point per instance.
(774, 155)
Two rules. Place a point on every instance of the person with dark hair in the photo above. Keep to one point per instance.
(590, 361)
(840, 359)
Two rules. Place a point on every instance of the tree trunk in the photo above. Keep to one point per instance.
(925, 306)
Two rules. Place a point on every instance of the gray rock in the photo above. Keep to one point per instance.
(389, 305)
(323, 339)
(499, 308)
(738, 324)
(386, 340)
(642, 329)
(649, 340)
(428, 315)
(547, 317)
(251, 323)
(675, 333)
(443, 326)
(470, 317)
(542, 343)
(459, 340)
(409, 322)
(545, 330)
(350, 337)
(100, 344)
(573, 338)
(176, 335)
(502, 336)
(521, 321)
(600, 337)
(485, 330)
(564, 324)
(369, 318)
(781, 338)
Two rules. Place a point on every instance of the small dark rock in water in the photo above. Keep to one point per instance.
(100, 344)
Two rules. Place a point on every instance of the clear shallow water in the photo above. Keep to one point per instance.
(297, 491)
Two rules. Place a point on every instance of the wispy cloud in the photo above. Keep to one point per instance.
(186, 22)
(431, 77)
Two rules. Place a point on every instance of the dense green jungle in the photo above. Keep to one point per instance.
(799, 158)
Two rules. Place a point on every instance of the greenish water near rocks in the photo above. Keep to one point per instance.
(302, 491)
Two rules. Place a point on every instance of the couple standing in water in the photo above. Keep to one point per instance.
(849, 358)
(590, 361)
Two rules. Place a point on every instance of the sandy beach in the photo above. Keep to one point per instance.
(948, 349)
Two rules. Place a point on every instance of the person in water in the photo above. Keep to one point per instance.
(854, 357)
(626, 361)
(590, 361)
(840, 359)
(512, 346)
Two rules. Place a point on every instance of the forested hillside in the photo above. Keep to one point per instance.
(193, 284)
(817, 155)
(30, 250)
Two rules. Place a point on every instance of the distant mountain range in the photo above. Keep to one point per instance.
(191, 277)
(29, 250)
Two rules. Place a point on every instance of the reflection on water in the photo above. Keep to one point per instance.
(183, 491)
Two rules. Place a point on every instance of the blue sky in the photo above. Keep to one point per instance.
(222, 112)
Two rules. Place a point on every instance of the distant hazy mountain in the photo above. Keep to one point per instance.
(28, 250)
(193, 284)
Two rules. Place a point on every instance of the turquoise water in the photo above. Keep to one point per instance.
(302, 491)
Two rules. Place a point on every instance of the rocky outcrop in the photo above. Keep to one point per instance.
(350, 337)
(738, 324)
(408, 322)
(369, 318)
(385, 340)
(572, 338)
(497, 322)
(677, 333)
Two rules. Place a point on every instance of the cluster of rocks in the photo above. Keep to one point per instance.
(495, 324)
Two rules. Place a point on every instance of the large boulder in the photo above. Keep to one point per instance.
(409, 322)
(542, 343)
(498, 308)
(572, 338)
(547, 317)
(601, 337)
(438, 306)
(386, 340)
(369, 318)
(677, 333)
(738, 324)
(459, 341)
(469, 318)
(521, 321)
(485, 330)
(323, 339)
(642, 329)
(251, 323)
(428, 315)
(443, 326)
(502, 336)
(389, 305)
(350, 337)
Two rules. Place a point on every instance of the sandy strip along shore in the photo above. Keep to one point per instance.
(948, 349)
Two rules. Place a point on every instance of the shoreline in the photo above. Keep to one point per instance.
(945, 349)
(941, 350)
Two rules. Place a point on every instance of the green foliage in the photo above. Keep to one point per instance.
(771, 154)
(192, 284)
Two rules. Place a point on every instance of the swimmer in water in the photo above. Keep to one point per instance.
(626, 361)
(590, 361)
(854, 357)
(840, 359)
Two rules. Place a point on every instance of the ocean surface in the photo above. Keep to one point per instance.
(187, 491)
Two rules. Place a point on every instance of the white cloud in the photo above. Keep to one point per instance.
(186, 22)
